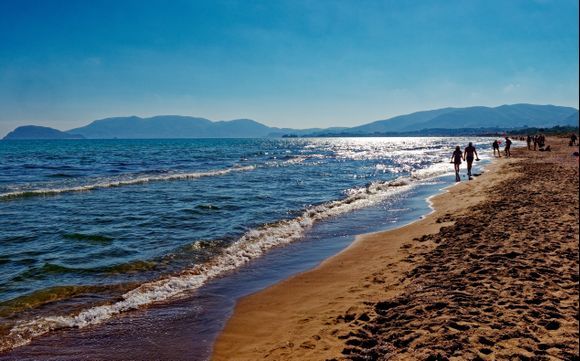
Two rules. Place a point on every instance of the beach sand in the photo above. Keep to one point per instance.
(492, 274)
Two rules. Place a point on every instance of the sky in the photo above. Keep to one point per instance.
(291, 63)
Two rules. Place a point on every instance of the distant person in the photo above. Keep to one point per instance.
(469, 154)
(541, 140)
(529, 141)
(456, 160)
(508, 145)
(535, 142)
(495, 147)
(573, 139)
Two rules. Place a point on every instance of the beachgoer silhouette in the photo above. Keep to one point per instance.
(535, 142)
(529, 141)
(469, 154)
(573, 138)
(541, 140)
(508, 144)
(495, 147)
(456, 160)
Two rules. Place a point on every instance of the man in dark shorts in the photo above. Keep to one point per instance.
(469, 154)
(508, 144)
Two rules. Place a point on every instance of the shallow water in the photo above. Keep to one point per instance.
(93, 229)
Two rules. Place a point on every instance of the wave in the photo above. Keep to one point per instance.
(253, 244)
(60, 175)
(120, 182)
(11, 308)
(290, 160)
(95, 238)
(435, 170)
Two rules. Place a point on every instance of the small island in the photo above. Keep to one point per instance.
(37, 132)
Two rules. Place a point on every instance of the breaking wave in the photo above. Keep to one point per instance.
(121, 182)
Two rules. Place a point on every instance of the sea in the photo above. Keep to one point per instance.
(115, 249)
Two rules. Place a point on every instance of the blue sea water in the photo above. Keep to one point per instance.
(90, 229)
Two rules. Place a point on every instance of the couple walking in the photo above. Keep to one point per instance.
(469, 154)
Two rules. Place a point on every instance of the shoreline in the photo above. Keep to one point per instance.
(328, 312)
(254, 312)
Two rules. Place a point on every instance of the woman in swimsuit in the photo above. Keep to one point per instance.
(456, 160)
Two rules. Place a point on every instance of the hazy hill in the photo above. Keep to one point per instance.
(400, 122)
(36, 132)
(171, 126)
(573, 119)
(505, 116)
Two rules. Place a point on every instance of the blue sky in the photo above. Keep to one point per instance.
(283, 63)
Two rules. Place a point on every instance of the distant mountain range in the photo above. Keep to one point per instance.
(174, 126)
(502, 117)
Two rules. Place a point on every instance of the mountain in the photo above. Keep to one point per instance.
(176, 126)
(36, 132)
(505, 116)
(572, 120)
(171, 126)
(400, 122)
(425, 122)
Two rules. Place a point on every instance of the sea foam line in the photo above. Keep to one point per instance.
(250, 246)
(122, 182)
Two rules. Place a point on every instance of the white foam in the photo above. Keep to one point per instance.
(435, 170)
(298, 159)
(251, 245)
(123, 182)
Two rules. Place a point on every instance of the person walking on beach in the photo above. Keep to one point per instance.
(495, 147)
(535, 142)
(573, 139)
(469, 154)
(456, 160)
(508, 144)
(541, 141)
(529, 141)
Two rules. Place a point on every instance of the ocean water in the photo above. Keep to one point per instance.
(94, 229)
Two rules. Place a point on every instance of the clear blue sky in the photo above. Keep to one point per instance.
(284, 63)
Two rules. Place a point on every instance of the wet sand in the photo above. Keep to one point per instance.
(491, 274)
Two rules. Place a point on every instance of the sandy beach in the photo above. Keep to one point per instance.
(491, 274)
